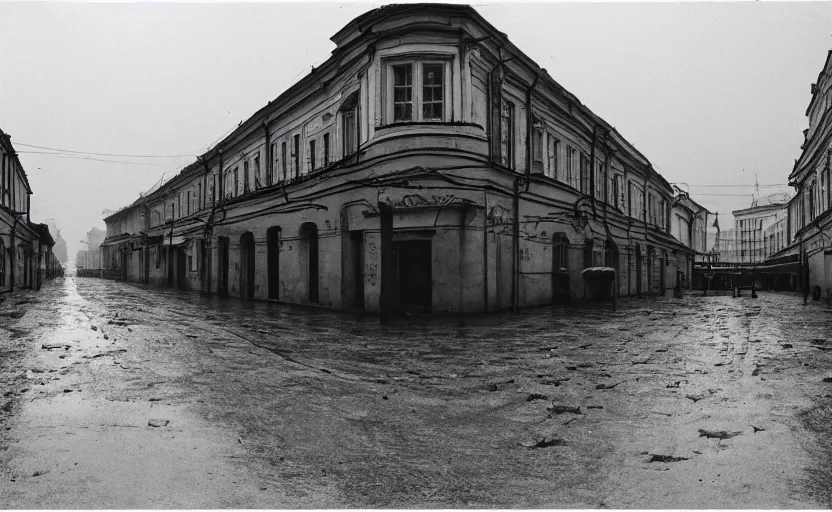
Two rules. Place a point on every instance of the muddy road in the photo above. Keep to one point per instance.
(116, 396)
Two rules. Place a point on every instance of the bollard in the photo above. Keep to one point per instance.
(753, 291)
(734, 292)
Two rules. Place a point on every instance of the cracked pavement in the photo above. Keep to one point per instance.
(119, 396)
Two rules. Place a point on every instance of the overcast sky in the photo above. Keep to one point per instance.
(711, 93)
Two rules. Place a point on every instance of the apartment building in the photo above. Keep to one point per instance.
(428, 165)
(809, 218)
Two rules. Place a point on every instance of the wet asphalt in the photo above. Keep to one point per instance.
(119, 396)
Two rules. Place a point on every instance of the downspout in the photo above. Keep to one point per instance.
(485, 249)
(592, 168)
(515, 253)
(206, 241)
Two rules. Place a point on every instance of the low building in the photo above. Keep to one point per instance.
(750, 228)
(88, 260)
(427, 165)
(25, 247)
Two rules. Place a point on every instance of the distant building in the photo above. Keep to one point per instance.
(59, 249)
(753, 228)
(26, 256)
(89, 258)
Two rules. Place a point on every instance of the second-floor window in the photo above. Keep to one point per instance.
(312, 155)
(257, 182)
(246, 186)
(326, 149)
(507, 134)
(554, 147)
(283, 161)
(296, 155)
(417, 90)
(236, 181)
(585, 170)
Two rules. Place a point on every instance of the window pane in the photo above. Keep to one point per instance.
(432, 84)
(403, 92)
(403, 75)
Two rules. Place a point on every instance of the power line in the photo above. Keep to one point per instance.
(98, 154)
(79, 157)
(725, 186)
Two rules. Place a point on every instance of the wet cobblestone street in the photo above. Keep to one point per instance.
(698, 402)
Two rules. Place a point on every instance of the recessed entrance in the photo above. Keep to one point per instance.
(247, 265)
(413, 270)
(222, 283)
(273, 255)
(309, 231)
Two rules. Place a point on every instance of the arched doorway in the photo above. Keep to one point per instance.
(309, 232)
(638, 270)
(273, 256)
(222, 265)
(247, 265)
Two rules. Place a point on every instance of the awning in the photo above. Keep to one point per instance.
(174, 241)
(105, 243)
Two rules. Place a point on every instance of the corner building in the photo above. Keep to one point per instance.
(429, 165)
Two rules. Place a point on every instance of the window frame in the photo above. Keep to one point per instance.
(418, 63)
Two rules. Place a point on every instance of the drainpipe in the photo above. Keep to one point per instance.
(515, 253)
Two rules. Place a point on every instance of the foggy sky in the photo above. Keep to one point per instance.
(704, 90)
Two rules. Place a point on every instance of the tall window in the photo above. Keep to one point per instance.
(507, 134)
(326, 150)
(537, 150)
(188, 212)
(270, 178)
(257, 183)
(584, 174)
(616, 191)
(349, 133)
(236, 181)
(570, 164)
(432, 97)
(296, 155)
(554, 147)
(560, 252)
(312, 156)
(199, 196)
(246, 186)
(283, 160)
(599, 180)
(402, 92)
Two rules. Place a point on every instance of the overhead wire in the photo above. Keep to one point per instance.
(94, 154)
